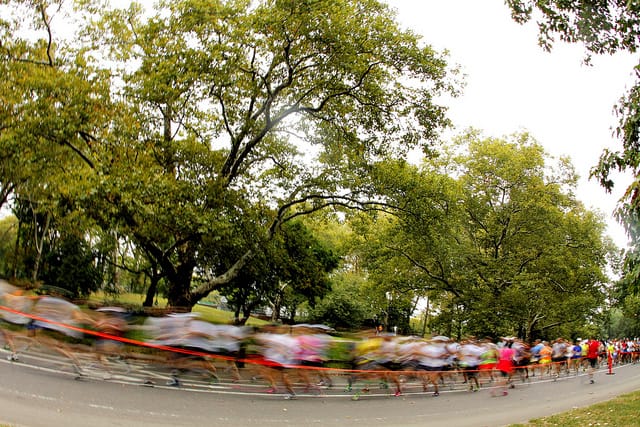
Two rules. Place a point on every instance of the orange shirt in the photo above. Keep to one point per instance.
(545, 354)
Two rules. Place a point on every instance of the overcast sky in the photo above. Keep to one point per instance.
(513, 85)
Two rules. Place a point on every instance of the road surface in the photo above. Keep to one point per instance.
(37, 392)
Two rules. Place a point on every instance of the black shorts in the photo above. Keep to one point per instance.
(470, 371)
(309, 363)
(430, 368)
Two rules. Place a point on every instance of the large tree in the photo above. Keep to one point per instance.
(603, 27)
(536, 252)
(228, 118)
(496, 238)
(51, 102)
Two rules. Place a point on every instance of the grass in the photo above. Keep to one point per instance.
(215, 315)
(621, 411)
(207, 313)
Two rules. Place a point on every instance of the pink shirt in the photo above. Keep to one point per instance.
(505, 360)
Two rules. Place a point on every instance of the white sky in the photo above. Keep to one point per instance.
(513, 85)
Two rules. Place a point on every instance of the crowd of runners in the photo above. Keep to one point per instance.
(306, 358)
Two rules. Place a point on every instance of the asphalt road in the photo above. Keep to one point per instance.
(37, 392)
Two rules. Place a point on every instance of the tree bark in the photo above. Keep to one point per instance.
(151, 292)
(39, 245)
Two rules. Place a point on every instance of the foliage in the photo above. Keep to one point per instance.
(70, 266)
(346, 307)
(199, 125)
(494, 235)
(624, 320)
(604, 27)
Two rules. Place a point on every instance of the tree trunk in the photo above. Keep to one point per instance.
(16, 249)
(39, 245)
(179, 295)
(115, 275)
(426, 318)
(183, 303)
(275, 313)
(151, 292)
(246, 313)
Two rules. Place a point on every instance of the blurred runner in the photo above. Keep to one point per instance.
(593, 352)
(505, 366)
(311, 352)
(183, 331)
(432, 357)
(63, 320)
(277, 351)
(469, 360)
(13, 299)
(110, 321)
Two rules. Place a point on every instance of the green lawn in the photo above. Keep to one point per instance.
(621, 411)
(210, 314)
(215, 315)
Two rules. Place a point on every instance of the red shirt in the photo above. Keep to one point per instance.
(594, 347)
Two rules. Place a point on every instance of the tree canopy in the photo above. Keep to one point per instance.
(603, 27)
(495, 237)
(198, 122)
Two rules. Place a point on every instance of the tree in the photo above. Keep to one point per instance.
(8, 236)
(603, 27)
(303, 267)
(70, 267)
(625, 321)
(393, 283)
(529, 237)
(414, 249)
(228, 116)
(52, 101)
(291, 269)
(495, 236)
(347, 306)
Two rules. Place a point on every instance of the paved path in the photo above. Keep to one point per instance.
(41, 390)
